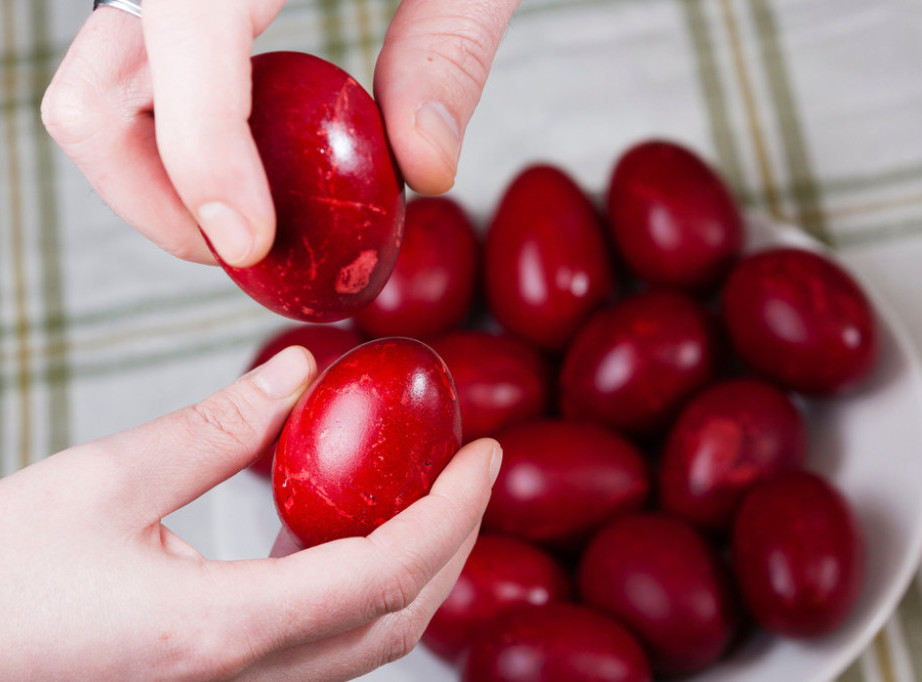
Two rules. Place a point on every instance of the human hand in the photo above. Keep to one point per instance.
(96, 587)
(195, 163)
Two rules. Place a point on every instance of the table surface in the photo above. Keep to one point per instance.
(811, 108)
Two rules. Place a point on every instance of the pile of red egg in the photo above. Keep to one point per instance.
(645, 379)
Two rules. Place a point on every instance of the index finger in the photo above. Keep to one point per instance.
(199, 55)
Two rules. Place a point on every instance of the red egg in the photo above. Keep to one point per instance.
(798, 555)
(728, 437)
(365, 441)
(673, 218)
(501, 381)
(562, 480)
(664, 582)
(338, 195)
(801, 320)
(555, 643)
(501, 573)
(633, 365)
(325, 342)
(432, 286)
(545, 259)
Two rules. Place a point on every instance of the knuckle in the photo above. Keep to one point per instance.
(66, 111)
(467, 49)
(401, 639)
(400, 584)
(221, 419)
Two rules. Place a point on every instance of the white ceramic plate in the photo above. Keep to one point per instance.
(869, 444)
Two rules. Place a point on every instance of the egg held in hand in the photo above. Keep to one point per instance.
(338, 196)
(367, 440)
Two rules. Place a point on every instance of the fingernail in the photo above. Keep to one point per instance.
(285, 373)
(496, 461)
(228, 231)
(438, 126)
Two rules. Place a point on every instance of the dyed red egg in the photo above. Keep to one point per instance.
(798, 555)
(632, 366)
(432, 286)
(664, 582)
(728, 437)
(674, 220)
(561, 480)
(339, 198)
(799, 319)
(546, 262)
(501, 573)
(555, 643)
(501, 380)
(365, 441)
(325, 342)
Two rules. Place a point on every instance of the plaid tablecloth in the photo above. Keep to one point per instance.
(812, 108)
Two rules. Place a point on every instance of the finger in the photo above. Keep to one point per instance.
(429, 77)
(341, 585)
(98, 109)
(381, 641)
(200, 67)
(169, 462)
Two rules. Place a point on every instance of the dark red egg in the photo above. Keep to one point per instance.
(327, 343)
(501, 573)
(798, 555)
(555, 643)
(561, 480)
(799, 319)
(655, 574)
(432, 286)
(546, 263)
(728, 437)
(365, 441)
(339, 198)
(674, 220)
(501, 380)
(633, 365)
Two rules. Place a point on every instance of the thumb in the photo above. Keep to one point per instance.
(429, 77)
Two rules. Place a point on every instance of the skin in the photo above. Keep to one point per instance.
(196, 162)
(96, 587)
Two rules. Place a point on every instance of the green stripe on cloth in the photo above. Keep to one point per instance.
(124, 312)
(334, 44)
(721, 131)
(57, 370)
(22, 386)
(805, 190)
(847, 184)
(879, 233)
(853, 673)
(910, 612)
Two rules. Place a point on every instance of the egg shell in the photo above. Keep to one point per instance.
(555, 643)
(561, 480)
(728, 437)
(799, 319)
(365, 441)
(546, 261)
(338, 195)
(431, 289)
(660, 578)
(633, 365)
(501, 573)
(798, 555)
(674, 220)
(325, 342)
(501, 380)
